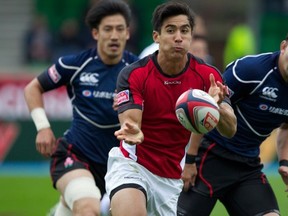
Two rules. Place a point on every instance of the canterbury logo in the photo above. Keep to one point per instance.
(89, 78)
(270, 92)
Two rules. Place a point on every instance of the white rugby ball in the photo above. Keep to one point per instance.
(197, 111)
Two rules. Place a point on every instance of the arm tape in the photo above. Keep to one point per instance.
(283, 163)
(190, 159)
(39, 118)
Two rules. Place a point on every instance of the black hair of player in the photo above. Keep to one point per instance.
(168, 9)
(105, 8)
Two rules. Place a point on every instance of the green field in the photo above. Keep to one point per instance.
(33, 196)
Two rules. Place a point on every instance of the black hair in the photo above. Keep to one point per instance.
(105, 8)
(168, 9)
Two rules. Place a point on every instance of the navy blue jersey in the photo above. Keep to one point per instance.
(91, 86)
(259, 99)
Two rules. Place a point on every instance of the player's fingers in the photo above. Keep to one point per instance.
(212, 80)
(120, 137)
(226, 90)
(186, 186)
(129, 126)
(118, 132)
(193, 178)
(133, 141)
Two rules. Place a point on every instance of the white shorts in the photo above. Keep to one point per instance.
(162, 193)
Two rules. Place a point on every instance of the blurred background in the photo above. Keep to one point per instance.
(34, 33)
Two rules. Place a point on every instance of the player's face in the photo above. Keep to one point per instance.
(175, 37)
(111, 37)
(283, 60)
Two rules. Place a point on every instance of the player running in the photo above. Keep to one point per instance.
(144, 173)
(79, 159)
(230, 170)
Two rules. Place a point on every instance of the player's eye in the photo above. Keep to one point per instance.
(120, 29)
(170, 30)
(107, 29)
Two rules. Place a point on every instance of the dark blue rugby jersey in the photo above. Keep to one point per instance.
(91, 87)
(260, 101)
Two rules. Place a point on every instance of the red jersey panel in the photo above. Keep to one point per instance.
(144, 86)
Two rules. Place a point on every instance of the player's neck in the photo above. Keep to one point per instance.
(109, 60)
(171, 67)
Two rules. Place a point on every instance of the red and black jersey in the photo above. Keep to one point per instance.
(143, 85)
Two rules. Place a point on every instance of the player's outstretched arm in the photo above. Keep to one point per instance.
(227, 124)
(45, 139)
(130, 130)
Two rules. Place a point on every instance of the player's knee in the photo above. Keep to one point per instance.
(86, 207)
(81, 194)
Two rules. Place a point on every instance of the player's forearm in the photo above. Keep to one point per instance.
(194, 144)
(282, 142)
(227, 124)
(132, 116)
(33, 95)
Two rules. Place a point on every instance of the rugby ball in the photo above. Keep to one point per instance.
(197, 111)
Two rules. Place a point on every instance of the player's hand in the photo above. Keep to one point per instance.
(189, 175)
(45, 142)
(283, 171)
(217, 90)
(130, 133)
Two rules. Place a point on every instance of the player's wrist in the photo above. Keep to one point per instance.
(39, 118)
(190, 159)
(283, 163)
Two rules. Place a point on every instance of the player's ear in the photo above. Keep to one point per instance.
(155, 36)
(94, 33)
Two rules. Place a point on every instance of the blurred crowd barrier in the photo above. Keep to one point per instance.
(17, 131)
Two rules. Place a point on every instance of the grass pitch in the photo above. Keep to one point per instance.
(34, 196)
(26, 196)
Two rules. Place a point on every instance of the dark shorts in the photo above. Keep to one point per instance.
(236, 181)
(67, 158)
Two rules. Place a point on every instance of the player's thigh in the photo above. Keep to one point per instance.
(251, 199)
(128, 202)
(193, 203)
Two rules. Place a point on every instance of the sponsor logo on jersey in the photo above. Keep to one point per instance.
(53, 74)
(104, 94)
(272, 109)
(87, 93)
(279, 111)
(263, 107)
(122, 97)
(175, 82)
(269, 93)
(89, 79)
(98, 94)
